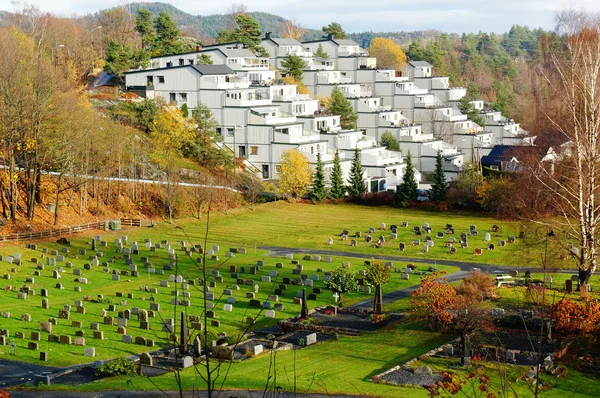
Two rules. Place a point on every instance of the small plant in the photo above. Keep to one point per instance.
(376, 318)
(248, 353)
(302, 342)
(329, 312)
(120, 366)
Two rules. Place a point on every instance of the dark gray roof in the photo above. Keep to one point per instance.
(286, 42)
(213, 69)
(345, 42)
(420, 64)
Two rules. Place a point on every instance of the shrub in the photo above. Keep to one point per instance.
(572, 318)
(477, 286)
(120, 366)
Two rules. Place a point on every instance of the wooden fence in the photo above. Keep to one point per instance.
(130, 222)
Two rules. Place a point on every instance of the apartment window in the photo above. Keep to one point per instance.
(183, 96)
(172, 97)
(230, 132)
(169, 64)
(181, 62)
(161, 79)
(191, 61)
(253, 150)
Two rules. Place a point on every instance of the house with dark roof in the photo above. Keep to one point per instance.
(510, 158)
(279, 48)
(346, 54)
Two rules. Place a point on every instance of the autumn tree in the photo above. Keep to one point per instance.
(293, 65)
(337, 188)
(571, 318)
(435, 300)
(340, 105)
(291, 29)
(171, 132)
(389, 141)
(378, 274)
(356, 181)
(318, 190)
(407, 191)
(335, 29)
(439, 188)
(294, 173)
(389, 55)
(342, 281)
(574, 181)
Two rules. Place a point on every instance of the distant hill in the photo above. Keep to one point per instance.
(208, 26)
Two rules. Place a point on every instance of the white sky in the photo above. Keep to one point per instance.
(363, 15)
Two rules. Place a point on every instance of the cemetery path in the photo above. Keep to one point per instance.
(406, 292)
(463, 265)
(161, 394)
(14, 373)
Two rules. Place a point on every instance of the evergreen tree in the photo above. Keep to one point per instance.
(293, 65)
(338, 189)
(144, 26)
(389, 141)
(204, 59)
(339, 105)
(439, 189)
(248, 32)
(466, 108)
(335, 29)
(408, 190)
(321, 52)
(167, 35)
(356, 181)
(318, 190)
(119, 58)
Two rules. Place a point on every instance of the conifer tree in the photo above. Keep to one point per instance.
(340, 105)
(167, 35)
(439, 189)
(356, 182)
(318, 191)
(321, 52)
(338, 189)
(408, 190)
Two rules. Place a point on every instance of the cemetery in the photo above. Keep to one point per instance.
(102, 295)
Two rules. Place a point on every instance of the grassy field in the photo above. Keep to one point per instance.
(342, 366)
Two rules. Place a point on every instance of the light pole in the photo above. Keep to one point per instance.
(52, 50)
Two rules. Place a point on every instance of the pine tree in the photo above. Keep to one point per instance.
(389, 141)
(167, 35)
(340, 105)
(356, 182)
(318, 190)
(338, 189)
(321, 52)
(143, 24)
(408, 190)
(439, 189)
(335, 29)
(293, 65)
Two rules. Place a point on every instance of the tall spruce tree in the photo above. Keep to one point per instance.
(356, 181)
(338, 189)
(318, 191)
(439, 189)
(408, 190)
(168, 35)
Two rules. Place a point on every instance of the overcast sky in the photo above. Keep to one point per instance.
(363, 15)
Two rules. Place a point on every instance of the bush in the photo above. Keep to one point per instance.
(120, 366)
(477, 286)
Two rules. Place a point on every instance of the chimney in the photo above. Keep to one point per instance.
(267, 35)
(330, 36)
(198, 48)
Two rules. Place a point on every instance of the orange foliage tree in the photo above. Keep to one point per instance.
(436, 300)
(571, 318)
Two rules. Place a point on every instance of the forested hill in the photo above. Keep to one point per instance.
(208, 26)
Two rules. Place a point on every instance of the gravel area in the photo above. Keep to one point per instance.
(14, 373)
(355, 320)
(402, 376)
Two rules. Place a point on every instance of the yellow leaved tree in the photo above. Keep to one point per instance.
(170, 133)
(295, 173)
(388, 54)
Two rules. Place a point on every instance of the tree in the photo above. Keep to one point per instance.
(407, 191)
(435, 300)
(170, 134)
(389, 55)
(356, 181)
(300, 87)
(146, 112)
(341, 281)
(202, 147)
(571, 318)
(318, 191)
(204, 59)
(321, 52)
(338, 188)
(184, 110)
(261, 52)
(294, 173)
(339, 105)
(168, 35)
(378, 274)
(574, 181)
(335, 29)
(144, 26)
(389, 141)
(119, 58)
(439, 188)
(247, 32)
(293, 65)
(466, 108)
(291, 30)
